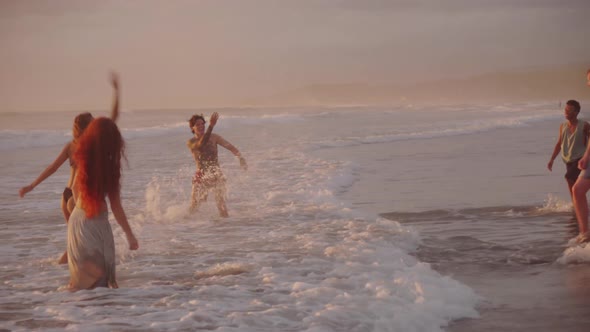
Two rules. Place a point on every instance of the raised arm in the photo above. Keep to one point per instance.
(556, 150)
(61, 158)
(212, 122)
(221, 141)
(115, 84)
(119, 213)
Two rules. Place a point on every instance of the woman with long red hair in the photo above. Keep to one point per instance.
(91, 247)
(81, 121)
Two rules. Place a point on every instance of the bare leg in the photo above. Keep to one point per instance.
(570, 186)
(581, 203)
(64, 208)
(194, 202)
(220, 200)
(196, 195)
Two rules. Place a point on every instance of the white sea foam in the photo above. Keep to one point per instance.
(555, 204)
(11, 139)
(293, 255)
(509, 118)
(575, 253)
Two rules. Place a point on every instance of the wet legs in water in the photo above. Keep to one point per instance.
(66, 211)
(199, 194)
(581, 203)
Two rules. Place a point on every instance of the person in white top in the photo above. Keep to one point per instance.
(572, 142)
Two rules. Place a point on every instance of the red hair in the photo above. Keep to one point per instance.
(98, 160)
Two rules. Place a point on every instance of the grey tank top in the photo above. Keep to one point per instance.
(572, 144)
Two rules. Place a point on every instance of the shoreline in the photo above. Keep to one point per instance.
(542, 297)
(509, 257)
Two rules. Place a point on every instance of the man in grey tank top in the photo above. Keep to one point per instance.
(572, 142)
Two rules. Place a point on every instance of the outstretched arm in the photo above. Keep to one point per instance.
(221, 141)
(119, 213)
(63, 156)
(115, 84)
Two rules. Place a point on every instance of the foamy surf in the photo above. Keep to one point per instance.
(303, 249)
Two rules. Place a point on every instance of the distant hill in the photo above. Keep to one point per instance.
(538, 84)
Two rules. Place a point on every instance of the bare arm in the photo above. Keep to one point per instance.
(119, 213)
(115, 84)
(221, 141)
(583, 163)
(556, 150)
(586, 132)
(61, 158)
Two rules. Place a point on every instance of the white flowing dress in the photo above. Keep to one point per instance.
(91, 251)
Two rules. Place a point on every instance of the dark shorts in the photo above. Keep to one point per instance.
(572, 171)
(67, 194)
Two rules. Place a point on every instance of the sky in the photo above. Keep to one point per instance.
(57, 55)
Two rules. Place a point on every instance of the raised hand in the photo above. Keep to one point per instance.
(243, 163)
(24, 190)
(115, 80)
(133, 244)
(213, 119)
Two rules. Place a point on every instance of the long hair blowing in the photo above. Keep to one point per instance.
(98, 160)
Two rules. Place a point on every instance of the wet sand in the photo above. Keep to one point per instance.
(508, 256)
(539, 298)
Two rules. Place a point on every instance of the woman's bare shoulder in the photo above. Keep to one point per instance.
(69, 148)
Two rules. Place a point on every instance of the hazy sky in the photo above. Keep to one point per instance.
(56, 55)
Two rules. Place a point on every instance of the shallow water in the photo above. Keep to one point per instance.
(517, 258)
(304, 248)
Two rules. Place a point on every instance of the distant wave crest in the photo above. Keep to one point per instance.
(443, 130)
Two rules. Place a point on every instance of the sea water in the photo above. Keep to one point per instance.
(357, 218)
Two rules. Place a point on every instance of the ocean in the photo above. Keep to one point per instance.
(431, 217)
